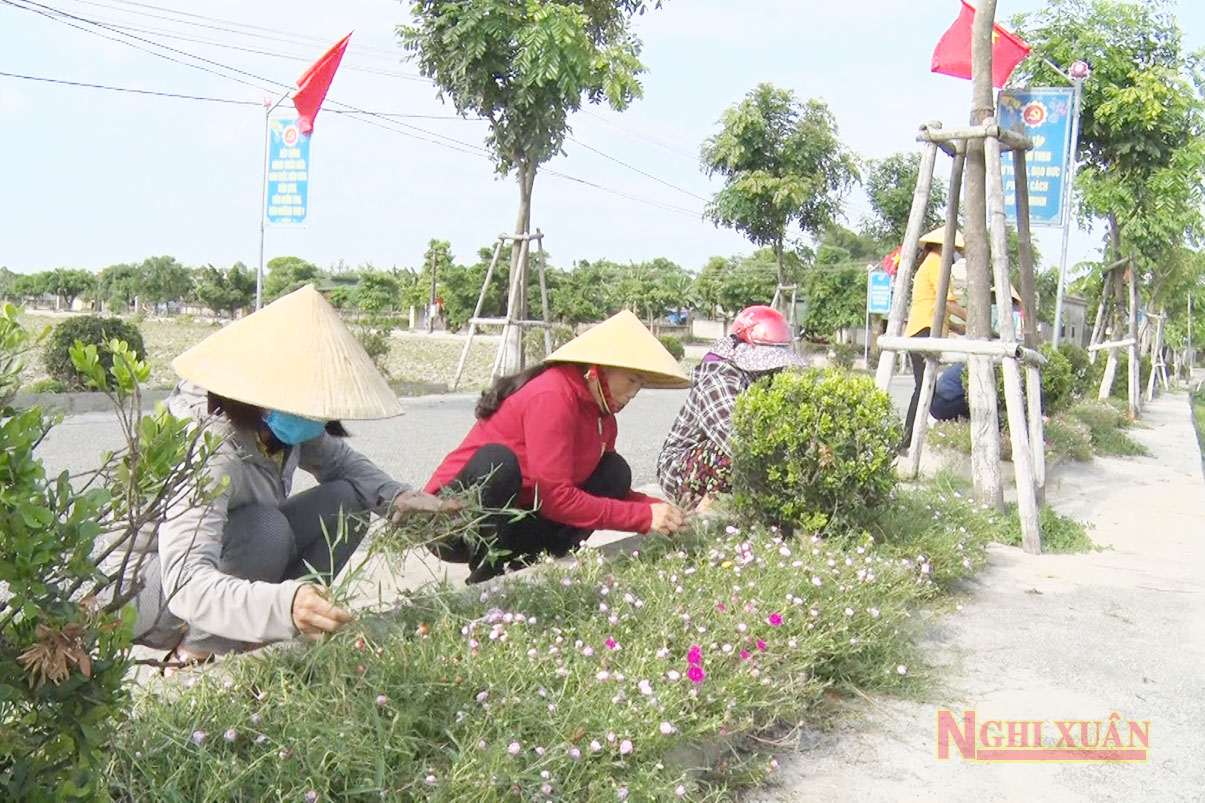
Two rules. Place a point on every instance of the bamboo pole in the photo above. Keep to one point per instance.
(1111, 344)
(1018, 427)
(1029, 306)
(949, 237)
(981, 380)
(1134, 394)
(516, 309)
(963, 347)
(1106, 381)
(489, 274)
(1156, 361)
(544, 295)
(902, 283)
(1011, 139)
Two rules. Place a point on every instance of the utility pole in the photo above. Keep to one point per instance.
(431, 300)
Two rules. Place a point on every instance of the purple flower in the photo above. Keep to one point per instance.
(744, 655)
(761, 645)
(621, 793)
(696, 674)
(610, 642)
(381, 700)
(513, 748)
(775, 620)
(198, 737)
(311, 796)
(575, 754)
(230, 735)
(695, 656)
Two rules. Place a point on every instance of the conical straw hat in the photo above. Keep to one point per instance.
(622, 341)
(296, 356)
(938, 237)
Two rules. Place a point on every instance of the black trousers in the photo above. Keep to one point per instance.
(495, 469)
(946, 410)
(918, 378)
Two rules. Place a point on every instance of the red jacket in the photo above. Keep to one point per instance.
(555, 428)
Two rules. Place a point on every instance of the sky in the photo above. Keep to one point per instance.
(90, 178)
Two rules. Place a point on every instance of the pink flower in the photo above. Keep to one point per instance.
(744, 655)
(695, 656)
(198, 737)
(610, 642)
(230, 735)
(775, 620)
(719, 607)
(625, 747)
(761, 645)
(382, 700)
(696, 673)
(513, 748)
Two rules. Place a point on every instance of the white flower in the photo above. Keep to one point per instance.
(666, 728)
(903, 670)
(513, 748)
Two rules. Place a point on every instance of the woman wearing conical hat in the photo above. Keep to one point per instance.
(920, 314)
(274, 387)
(545, 441)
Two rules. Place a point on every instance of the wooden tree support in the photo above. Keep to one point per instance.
(510, 320)
(1022, 401)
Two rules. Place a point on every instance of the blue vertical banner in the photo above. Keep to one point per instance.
(1043, 115)
(878, 292)
(288, 195)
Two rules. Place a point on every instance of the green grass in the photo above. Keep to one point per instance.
(571, 683)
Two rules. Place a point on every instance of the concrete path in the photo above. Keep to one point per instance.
(1057, 638)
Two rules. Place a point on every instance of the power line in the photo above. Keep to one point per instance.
(209, 99)
(638, 170)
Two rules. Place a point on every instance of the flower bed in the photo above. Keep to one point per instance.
(645, 677)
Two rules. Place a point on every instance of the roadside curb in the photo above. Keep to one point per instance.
(84, 402)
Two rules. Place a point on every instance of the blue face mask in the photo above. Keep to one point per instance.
(293, 429)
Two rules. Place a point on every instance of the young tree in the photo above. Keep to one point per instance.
(163, 279)
(229, 290)
(525, 67)
(70, 283)
(1142, 120)
(890, 183)
(376, 291)
(118, 285)
(834, 286)
(286, 274)
(782, 164)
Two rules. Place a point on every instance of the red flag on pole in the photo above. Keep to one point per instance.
(891, 262)
(313, 84)
(952, 56)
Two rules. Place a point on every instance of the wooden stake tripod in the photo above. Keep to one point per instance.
(1024, 409)
(510, 320)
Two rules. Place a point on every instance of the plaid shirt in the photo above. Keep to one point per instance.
(706, 416)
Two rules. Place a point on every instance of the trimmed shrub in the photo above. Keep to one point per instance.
(1081, 370)
(1105, 424)
(91, 330)
(1058, 380)
(843, 355)
(673, 345)
(533, 341)
(812, 448)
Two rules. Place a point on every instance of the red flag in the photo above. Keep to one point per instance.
(313, 84)
(891, 262)
(952, 56)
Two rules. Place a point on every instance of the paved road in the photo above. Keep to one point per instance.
(410, 447)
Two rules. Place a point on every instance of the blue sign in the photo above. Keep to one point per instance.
(1043, 115)
(288, 195)
(878, 293)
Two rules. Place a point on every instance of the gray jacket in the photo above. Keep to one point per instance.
(189, 539)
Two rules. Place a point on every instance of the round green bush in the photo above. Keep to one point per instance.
(1081, 370)
(1058, 380)
(92, 330)
(813, 448)
(673, 345)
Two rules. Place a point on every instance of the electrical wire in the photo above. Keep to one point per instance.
(431, 137)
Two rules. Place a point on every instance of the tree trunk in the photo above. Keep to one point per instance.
(981, 389)
(516, 301)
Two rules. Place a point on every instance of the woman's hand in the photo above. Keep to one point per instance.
(667, 518)
(407, 503)
(314, 615)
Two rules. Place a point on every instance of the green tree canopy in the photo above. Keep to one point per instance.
(782, 164)
(890, 183)
(286, 274)
(225, 290)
